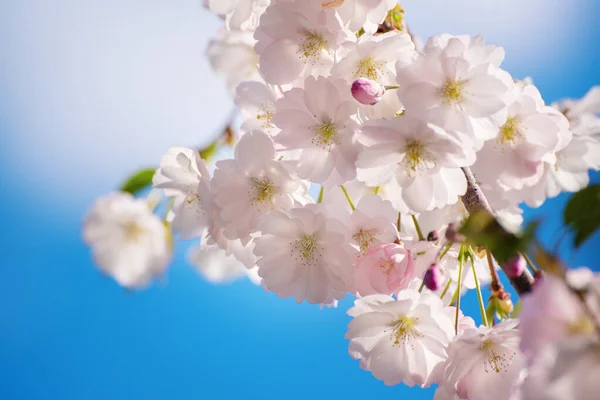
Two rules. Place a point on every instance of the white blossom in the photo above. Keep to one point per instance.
(128, 242)
(400, 340)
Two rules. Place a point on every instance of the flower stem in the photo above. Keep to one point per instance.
(446, 289)
(422, 286)
(398, 222)
(417, 227)
(529, 262)
(321, 194)
(461, 258)
(391, 87)
(348, 197)
(496, 285)
(479, 295)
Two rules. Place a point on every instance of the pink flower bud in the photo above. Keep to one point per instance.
(515, 266)
(366, 91)
(433, 277)
(385, 269)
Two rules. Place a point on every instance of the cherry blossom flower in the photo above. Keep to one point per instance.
(321, 120)
(550, 315)
(583, 114)
(530, 135)
(484, 363)
(184, 177)
(374, 57)
(423, 158)
(128, 242)
(305, 255)
(296, 39)
(385, 269)
(232, 56)
(366, 14)
(239, 14)
(215, 265)
(568, 371)
(256, 101)
(457, 83)
(400, 340)
(251, 185)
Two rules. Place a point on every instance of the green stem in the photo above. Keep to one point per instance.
(348, 197)
(422, 286)
(446, 250)
(391, 87)
(417, 227)
(321, 194)
(376, 191)
(479, 295)
(446, 289)
(460, 271)
(529, 262)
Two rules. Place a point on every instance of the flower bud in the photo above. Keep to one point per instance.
(433, 236)
(515, 266)
(433, 277)
(452, 234)
(366, 91)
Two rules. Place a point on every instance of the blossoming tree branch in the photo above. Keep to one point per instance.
(418, 157)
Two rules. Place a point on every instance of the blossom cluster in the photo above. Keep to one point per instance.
(336, 97)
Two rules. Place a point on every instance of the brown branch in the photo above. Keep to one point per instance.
(474, 201)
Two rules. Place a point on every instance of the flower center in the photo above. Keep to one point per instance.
(416, 158)
(265, 114)
(311, 46)
(306, 250)
(404, 329)
(509, 132)
(133, 231)
(364, 238)
(263, 190)
(326, 135)
(583, 326)
(369, 68)
(452, 92)
(497, 361)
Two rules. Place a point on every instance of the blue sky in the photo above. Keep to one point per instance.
(91, 90)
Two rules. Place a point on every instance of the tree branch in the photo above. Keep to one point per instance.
(474, 201)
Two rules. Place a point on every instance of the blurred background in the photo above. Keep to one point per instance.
(91, 90)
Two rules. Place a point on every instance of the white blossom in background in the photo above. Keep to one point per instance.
(484, 363)
(321, 121)
(128, 242)
(424, 159)
(253, 184)
(356, 14)
(303, 254)
(550, 315)
(298, 38)
(583, 114)
(216, 266)
(400, 340)
(183, 176)
(239, 14)
(232, 56)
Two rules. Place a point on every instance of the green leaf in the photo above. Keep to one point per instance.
(138, 181)
(482, 229)
(582, 213)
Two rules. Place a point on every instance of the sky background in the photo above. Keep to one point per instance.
(91, 90)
